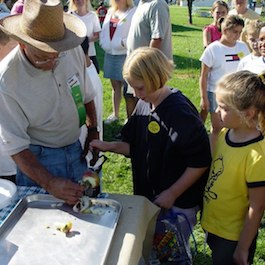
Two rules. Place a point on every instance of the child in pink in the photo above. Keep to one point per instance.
(212, 32)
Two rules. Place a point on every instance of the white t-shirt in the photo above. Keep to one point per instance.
(249, 58)
(92, 25)
(256, 66)
(222, 60)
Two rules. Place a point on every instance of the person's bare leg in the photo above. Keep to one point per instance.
(116, 96)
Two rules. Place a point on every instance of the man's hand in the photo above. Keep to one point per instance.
(65, 189)
(61, 188)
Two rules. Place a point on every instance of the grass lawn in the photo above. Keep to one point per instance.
(187, 49)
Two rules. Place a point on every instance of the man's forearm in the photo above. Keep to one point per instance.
(91, 114)
(29, 165)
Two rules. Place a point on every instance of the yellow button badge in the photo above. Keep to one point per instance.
(153, 127)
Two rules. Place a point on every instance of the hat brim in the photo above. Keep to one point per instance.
(75, 32)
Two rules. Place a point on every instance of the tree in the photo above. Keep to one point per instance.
(190, 10)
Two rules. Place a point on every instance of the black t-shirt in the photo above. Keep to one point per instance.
(163, 143)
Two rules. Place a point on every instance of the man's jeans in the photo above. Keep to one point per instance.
(63, 162)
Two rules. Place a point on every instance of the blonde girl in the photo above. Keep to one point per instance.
(219, 58)
(165, 138)
(212, 32)
(235, 192)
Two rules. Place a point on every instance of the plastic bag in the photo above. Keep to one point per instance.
(169, 244)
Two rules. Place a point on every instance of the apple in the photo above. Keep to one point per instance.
(90, 179)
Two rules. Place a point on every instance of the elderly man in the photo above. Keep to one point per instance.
(45, 99)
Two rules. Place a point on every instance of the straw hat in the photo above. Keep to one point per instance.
(45, 26)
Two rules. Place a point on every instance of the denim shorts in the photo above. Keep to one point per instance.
(63, 162)
(113, 66)
(212, 101)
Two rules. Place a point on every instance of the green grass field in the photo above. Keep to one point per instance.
(187, 49)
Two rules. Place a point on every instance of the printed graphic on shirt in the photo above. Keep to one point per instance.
(153, 128)
(241, 55)
(216, 170)
(232, 57)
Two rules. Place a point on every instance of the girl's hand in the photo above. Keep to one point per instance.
(165, 199)
(99, 145)
(241, 256)
(205, 104)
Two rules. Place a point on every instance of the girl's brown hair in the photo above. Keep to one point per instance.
(219, 3)
(230, 21)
